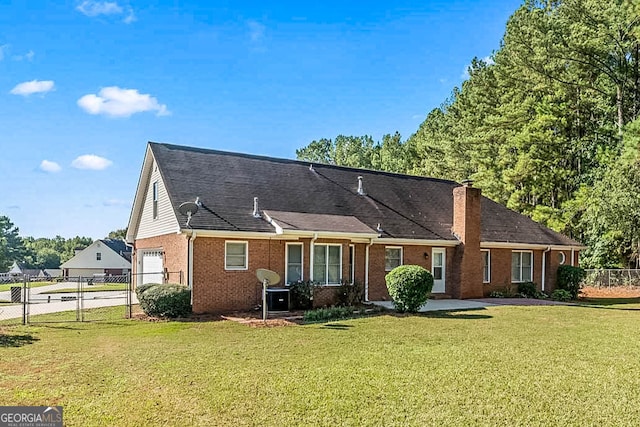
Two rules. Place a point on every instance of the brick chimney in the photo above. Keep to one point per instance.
(466, 227)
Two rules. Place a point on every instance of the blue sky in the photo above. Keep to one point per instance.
(85, 84)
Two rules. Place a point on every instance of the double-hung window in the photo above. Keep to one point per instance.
(236, 255)
(327, 264)
(294, 262)
(392, 258)
(521, 266)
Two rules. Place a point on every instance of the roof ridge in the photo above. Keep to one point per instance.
(293, 161)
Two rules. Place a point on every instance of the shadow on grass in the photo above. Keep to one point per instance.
(470, 314)
(16, 340)
(337, 326)
(609, 303)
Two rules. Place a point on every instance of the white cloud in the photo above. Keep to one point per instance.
(49, 166)
(34, 86)
(92, 162)
(27, 56)
(256, 31)
(117, 102)
(95, 8)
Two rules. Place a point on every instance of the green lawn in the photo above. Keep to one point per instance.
(92, 288)
(8, 286)
(511, 366)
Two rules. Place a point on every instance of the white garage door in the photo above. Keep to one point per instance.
(152, 270)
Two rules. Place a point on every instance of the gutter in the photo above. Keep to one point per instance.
(366, 271)
(544, 266)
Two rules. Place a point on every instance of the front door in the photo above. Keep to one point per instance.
(438, 264)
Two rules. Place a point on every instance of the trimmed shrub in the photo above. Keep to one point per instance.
(409, 286)
(328, 314)
(350, 294)
(570, 279)
(527, 289)
(141, 288)
(561, 295)
(170, 300)
(301, 295)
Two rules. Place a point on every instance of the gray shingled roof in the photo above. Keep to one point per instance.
(405, 206)
(119, 247)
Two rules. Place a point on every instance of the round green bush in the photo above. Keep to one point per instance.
(409, 286)
(168, 300)
(570, 279)
(527, 289)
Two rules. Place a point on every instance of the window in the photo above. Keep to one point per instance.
(155, 200)
(561, 258)
(98, 256)
(327, 264)
(294, 262)
(521, 266)
(236, 256)
(392, 258)
(352, 263)
(486, 265)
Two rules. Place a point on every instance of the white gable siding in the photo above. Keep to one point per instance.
(87, 259)
(166, 221)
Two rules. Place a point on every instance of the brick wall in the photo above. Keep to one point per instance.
(175, 248)
(467, 256)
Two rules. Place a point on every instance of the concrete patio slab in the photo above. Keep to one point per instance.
(442, 305)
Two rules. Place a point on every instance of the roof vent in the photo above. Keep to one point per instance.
(379, 228)
(360, 187)
(467, 183)
(256, 210)
(311, 167)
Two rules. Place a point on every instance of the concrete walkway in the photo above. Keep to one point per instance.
(442, 305)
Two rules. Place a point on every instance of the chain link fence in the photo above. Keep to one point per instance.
(607, 278)
(95, 298)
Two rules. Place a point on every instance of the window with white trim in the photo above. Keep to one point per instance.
(486, 266)
(155, 200)
(98, 256)
(236, 255)
(327, 264)
(521, 266)
(392, 258)
(294, 262)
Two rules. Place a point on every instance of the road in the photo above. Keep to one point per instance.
(41, 303)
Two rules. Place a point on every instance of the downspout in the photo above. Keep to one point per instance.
(190, 263)
(572, 255)
(544, 266)
(366, 270)
(313, 240)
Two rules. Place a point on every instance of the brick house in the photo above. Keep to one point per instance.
(325, 223)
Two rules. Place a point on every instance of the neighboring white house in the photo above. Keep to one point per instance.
(18, 270)
(107, 256)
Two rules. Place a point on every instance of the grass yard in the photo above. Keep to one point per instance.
(527, 366)
(8, 286)
(92, 288)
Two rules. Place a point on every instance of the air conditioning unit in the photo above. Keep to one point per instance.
(278, 299)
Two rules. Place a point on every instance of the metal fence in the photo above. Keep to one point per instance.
(607, 278)
(67, 299)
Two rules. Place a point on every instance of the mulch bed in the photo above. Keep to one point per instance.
(611, 292)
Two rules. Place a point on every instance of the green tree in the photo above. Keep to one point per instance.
(118, 234)
(11, 246)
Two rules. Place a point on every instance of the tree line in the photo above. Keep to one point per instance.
(548, 126)
(39, 252)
